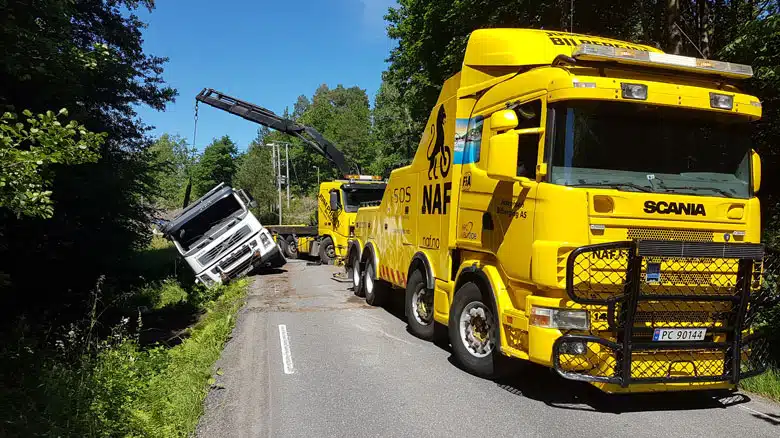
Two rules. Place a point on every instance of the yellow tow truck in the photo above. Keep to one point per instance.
(337, 201)
(582, 203)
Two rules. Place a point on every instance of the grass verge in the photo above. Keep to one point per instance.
(173, 401)
(143, 371)
(766, 384)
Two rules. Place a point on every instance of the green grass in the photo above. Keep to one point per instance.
(173, 401)
(115, 385)
(766, 384)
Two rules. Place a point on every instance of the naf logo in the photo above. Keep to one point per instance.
(663, 207)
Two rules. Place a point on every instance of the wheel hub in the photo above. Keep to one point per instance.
(422, 306)
(476, 328)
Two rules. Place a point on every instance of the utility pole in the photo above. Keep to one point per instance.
(276, 162)
(279, 178)
(287, 169)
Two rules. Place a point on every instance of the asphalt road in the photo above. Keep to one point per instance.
(308, 358)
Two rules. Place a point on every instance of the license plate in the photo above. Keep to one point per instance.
(682, 334)
(653, 274)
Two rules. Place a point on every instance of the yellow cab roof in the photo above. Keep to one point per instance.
(491, 51)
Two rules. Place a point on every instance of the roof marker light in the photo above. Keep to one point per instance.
(642, 57)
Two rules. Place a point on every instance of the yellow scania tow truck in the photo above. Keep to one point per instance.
(582, 203)
(337, 201)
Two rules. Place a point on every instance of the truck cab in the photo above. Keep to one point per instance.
(220, 238)
(583, 203)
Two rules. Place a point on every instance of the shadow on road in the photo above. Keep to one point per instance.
(539, 383)
(536, 382)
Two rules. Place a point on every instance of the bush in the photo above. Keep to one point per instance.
(114, 386)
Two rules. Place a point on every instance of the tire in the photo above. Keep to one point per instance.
(354, 267)
(481, 361)
(277, 261)
(375, 290)
(292, 248)
(283, 245)
(327, 251)
(419, 307)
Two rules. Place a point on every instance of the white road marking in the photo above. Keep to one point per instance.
(286, 355)
(755, 412)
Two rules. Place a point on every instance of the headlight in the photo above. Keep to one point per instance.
(265, 240)
(559, 318)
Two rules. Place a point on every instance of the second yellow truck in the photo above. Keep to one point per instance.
(582, 203)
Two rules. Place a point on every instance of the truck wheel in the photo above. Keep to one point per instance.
(473, 331)
(419, 307)
(283, 245)
(277, 261)
(375, 290)
(292, 248)
(327, 251)
(354, 267)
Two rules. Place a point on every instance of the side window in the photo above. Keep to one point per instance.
(529, 115)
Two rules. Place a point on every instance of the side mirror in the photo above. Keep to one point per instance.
(334, 200)
(502, 155)
(503, 120)
(253, 204)
(755, 167)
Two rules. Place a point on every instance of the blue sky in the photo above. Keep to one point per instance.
(263, 51)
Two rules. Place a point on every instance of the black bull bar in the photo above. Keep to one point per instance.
(633, 288)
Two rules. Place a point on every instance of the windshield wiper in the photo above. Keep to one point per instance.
(615, 185)
(714, 189)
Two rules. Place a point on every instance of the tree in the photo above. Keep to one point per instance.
(28, 152)
(216, 165)
(173, 159)
(394, 140)
(86, 56)
(255, 175)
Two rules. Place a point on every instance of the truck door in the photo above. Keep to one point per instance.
(513, 205)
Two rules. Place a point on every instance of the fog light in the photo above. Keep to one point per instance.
(252, 243)
(575, 348)
(634, 91)
(559, 318)
(721, 101)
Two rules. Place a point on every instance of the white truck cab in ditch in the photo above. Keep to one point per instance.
(221, 239)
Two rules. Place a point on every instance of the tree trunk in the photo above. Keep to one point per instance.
(674, 36)
(705, 27)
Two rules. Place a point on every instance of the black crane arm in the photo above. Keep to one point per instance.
(266, 117)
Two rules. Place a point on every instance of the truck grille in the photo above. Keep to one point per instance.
(215, 252)
(235, 256)
(667, 234)
(646, 286)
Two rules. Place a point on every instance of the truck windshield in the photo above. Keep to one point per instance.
(207, 222)
(638, 147)
(353, 197)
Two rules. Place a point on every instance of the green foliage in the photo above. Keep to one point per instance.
(27, 151)
(392, 133)
(87, 57)
(173, 162)
(110, 384)
(343, 116)
(216, 164)
(767, 384)
(255, 175)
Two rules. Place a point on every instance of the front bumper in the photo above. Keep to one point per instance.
(239, 263)
(637, 287)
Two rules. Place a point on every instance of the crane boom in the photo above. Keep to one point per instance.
(266, 117)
